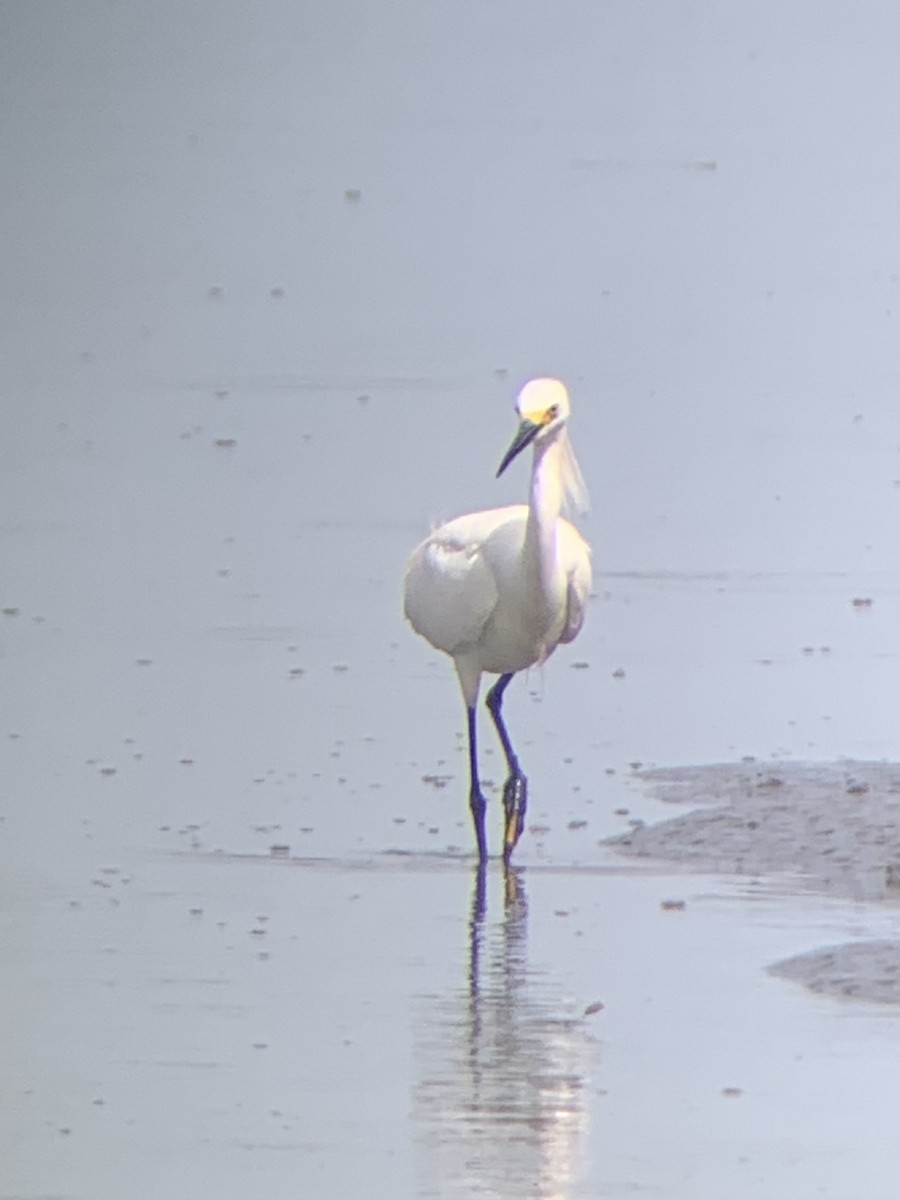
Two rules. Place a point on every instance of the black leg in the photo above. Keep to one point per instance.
(515, 790)
(476, 799)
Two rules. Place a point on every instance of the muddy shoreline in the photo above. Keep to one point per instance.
(833, 828)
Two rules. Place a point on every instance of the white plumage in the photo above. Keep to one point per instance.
(499, 590)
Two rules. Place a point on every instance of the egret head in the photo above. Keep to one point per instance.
(543, 401)
(543, 408)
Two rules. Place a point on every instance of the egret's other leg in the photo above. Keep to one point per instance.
(476, 799)
(515, 790)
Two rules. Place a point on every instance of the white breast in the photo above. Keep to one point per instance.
(466, 592)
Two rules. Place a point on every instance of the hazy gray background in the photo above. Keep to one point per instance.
(685, 211)
(271, 275)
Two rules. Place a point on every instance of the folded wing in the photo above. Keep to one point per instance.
(450, 591)
(576, 557)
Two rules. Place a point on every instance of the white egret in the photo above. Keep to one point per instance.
(499, 590)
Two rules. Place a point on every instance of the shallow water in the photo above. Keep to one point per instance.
(265, 306)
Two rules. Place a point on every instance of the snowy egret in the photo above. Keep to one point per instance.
(499, 590)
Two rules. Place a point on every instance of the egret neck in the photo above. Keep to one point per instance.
(544, 504)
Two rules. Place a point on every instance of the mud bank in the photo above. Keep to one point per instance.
(828, 827)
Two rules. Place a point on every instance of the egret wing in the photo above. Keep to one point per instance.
(450, 591)
(576, 557)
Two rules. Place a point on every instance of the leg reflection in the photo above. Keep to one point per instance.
(476, 937)
(501, 1066)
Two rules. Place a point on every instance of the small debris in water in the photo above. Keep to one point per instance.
(618, 673)
(186, 762)
(225, 443)
(673, 905)
(580, 666)
(595, 1007)
(143, 662)
(353, 195)
(731, 1092)
(10, 612)
(577, 825)
(280, 850)
(862, 602)
(276, 292)
(621, 812)
(107, 771)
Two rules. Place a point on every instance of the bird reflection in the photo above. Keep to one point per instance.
(500, 1103)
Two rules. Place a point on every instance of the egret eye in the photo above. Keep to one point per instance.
(552, 412)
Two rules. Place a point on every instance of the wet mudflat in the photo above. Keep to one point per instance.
(251, 950)
(831, 828)
(251, 349)
(202, 1020)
